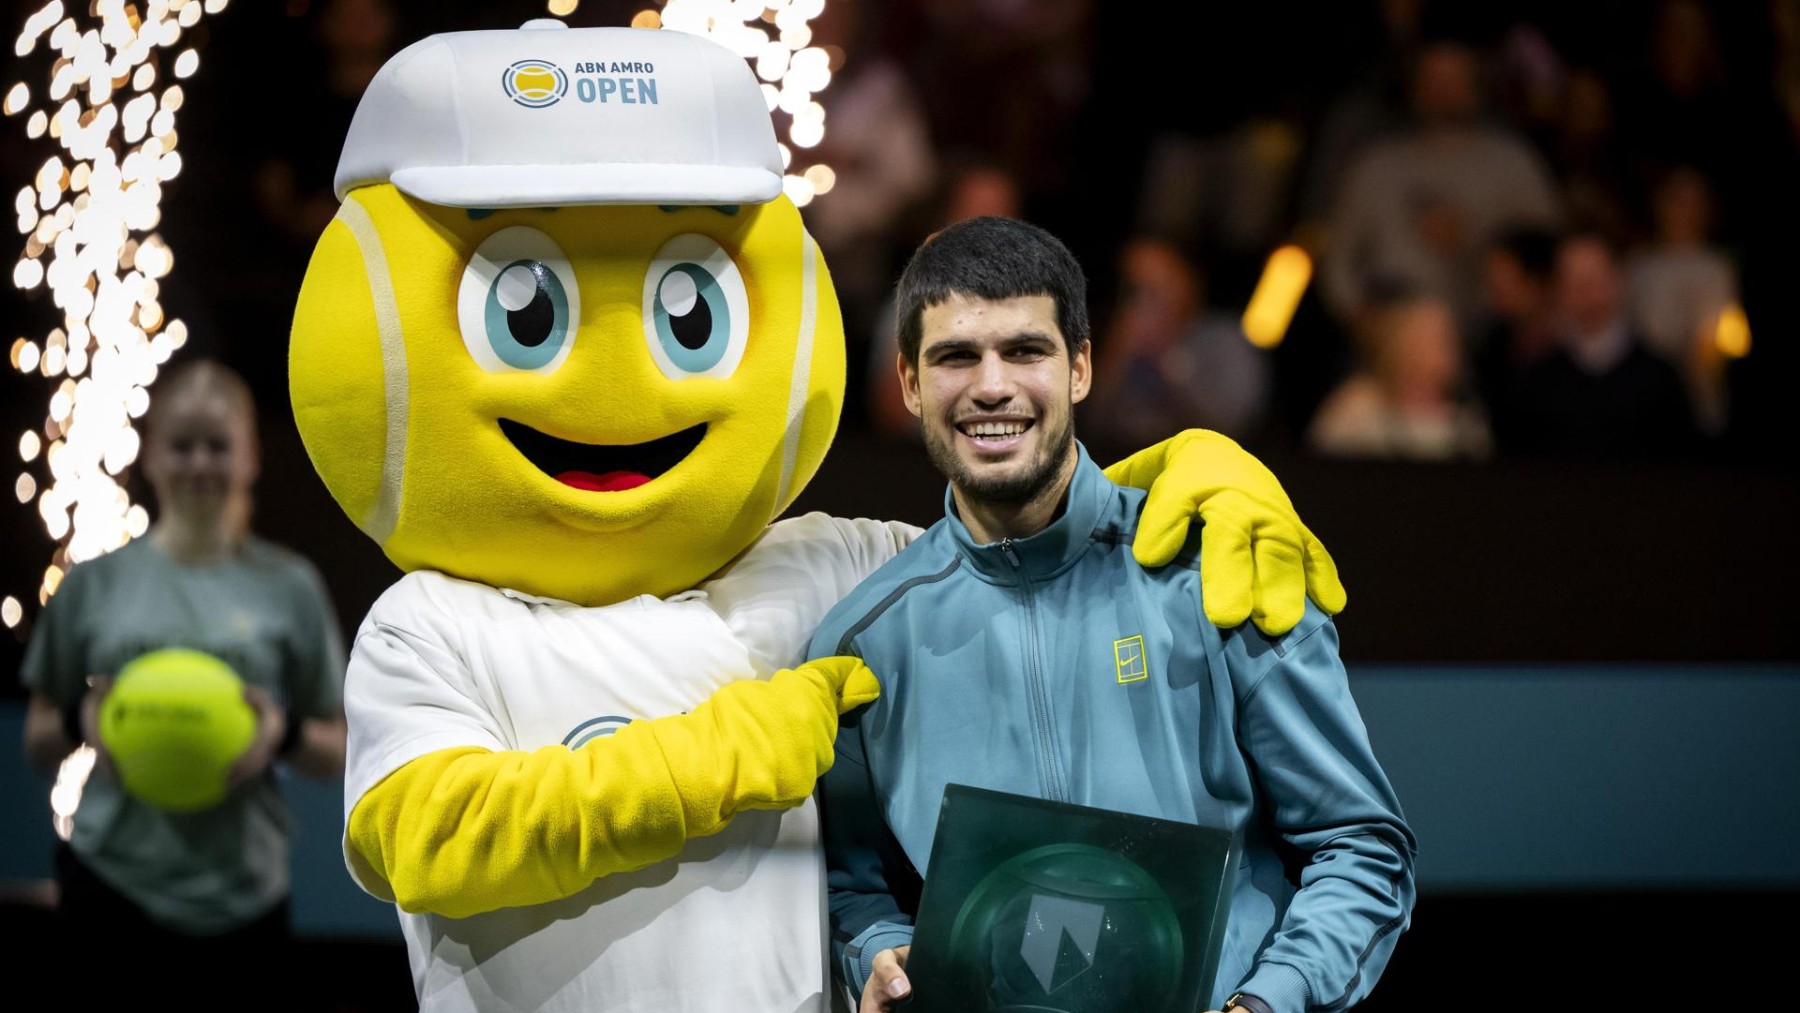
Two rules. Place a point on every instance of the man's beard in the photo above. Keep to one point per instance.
(1015, 489)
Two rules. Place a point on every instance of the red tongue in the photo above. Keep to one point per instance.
(612, 481)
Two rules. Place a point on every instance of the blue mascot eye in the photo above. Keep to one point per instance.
(518, 306)
(696, 309)
(526, 315)
(693, 320)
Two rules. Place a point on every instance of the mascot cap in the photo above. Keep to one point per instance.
(549, 115)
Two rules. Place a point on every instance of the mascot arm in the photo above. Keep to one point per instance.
(462, 831)
(1257, 560)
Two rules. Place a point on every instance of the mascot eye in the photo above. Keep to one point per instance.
(518, 303)
(696, 312)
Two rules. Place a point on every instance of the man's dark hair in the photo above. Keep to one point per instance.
(992, 259)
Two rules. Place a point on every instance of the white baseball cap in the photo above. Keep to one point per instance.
(549, 115)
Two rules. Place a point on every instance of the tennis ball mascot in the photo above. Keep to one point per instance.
(565, 352)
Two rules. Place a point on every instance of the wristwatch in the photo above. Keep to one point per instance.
(1246, 1002)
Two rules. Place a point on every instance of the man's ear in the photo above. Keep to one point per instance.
(1081, 372)
(909, 384)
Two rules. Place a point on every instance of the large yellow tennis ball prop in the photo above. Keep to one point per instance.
(584, 403)
(174, 723)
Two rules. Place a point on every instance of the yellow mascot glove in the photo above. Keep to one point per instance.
(464, 831)
(1257, 561)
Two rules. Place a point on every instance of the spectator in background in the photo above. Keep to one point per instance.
(1529, 83)
(1370, 103)
(972, 188)
(1679, 285)
(1011, 80)
(353, 38)
(1168, 362)
(1420, 209)
(144, 892)
(1682, 112)
(1591, 160)
(1601, 393)
(1408, 402)
(878, 143)
(1519, 329)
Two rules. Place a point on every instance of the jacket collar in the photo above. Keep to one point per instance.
(1050, 551)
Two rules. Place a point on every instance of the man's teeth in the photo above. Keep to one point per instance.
(994, 428)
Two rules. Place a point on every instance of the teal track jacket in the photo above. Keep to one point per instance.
(1056, 666)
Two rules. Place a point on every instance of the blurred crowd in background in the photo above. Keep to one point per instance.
(1522, 236)
(1528, 228)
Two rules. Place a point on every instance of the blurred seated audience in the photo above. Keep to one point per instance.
(1168, 361)
(1678, 286)
(1601, 393)
(1518, 328)
(1408, 402)
(1422, 206)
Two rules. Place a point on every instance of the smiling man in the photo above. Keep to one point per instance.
(997, 639)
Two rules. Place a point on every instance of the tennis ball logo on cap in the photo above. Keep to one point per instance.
(535, 83)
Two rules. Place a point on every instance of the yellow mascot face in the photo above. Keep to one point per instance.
(584, 403)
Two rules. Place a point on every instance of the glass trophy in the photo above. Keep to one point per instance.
(1033, 906)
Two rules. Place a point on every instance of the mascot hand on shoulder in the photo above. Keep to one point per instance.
(565, 353)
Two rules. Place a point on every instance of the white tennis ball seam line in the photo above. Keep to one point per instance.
(384, 515)
(801, 382)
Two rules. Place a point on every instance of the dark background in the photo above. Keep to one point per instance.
(1517, 562)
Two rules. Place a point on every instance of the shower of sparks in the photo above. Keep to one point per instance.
(774, 35)
(65, 795)
(88, 216)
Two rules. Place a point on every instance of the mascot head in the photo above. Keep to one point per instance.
(565, 335)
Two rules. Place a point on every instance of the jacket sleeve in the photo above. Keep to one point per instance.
(1330, 801)
(459, 831)
(867, 873)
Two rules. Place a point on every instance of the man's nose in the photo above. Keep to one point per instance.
(992, 381)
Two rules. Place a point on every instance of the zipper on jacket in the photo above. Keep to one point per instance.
(1042, 719)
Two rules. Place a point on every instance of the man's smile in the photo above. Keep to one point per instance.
(600, 467)
(995, 434)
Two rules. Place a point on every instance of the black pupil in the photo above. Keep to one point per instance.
(530, 324)
(693, 328)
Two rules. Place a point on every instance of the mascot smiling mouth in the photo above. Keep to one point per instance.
(599, 467)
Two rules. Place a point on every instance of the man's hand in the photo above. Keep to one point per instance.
(271, 728)
(887, 983)
(1257, 561)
